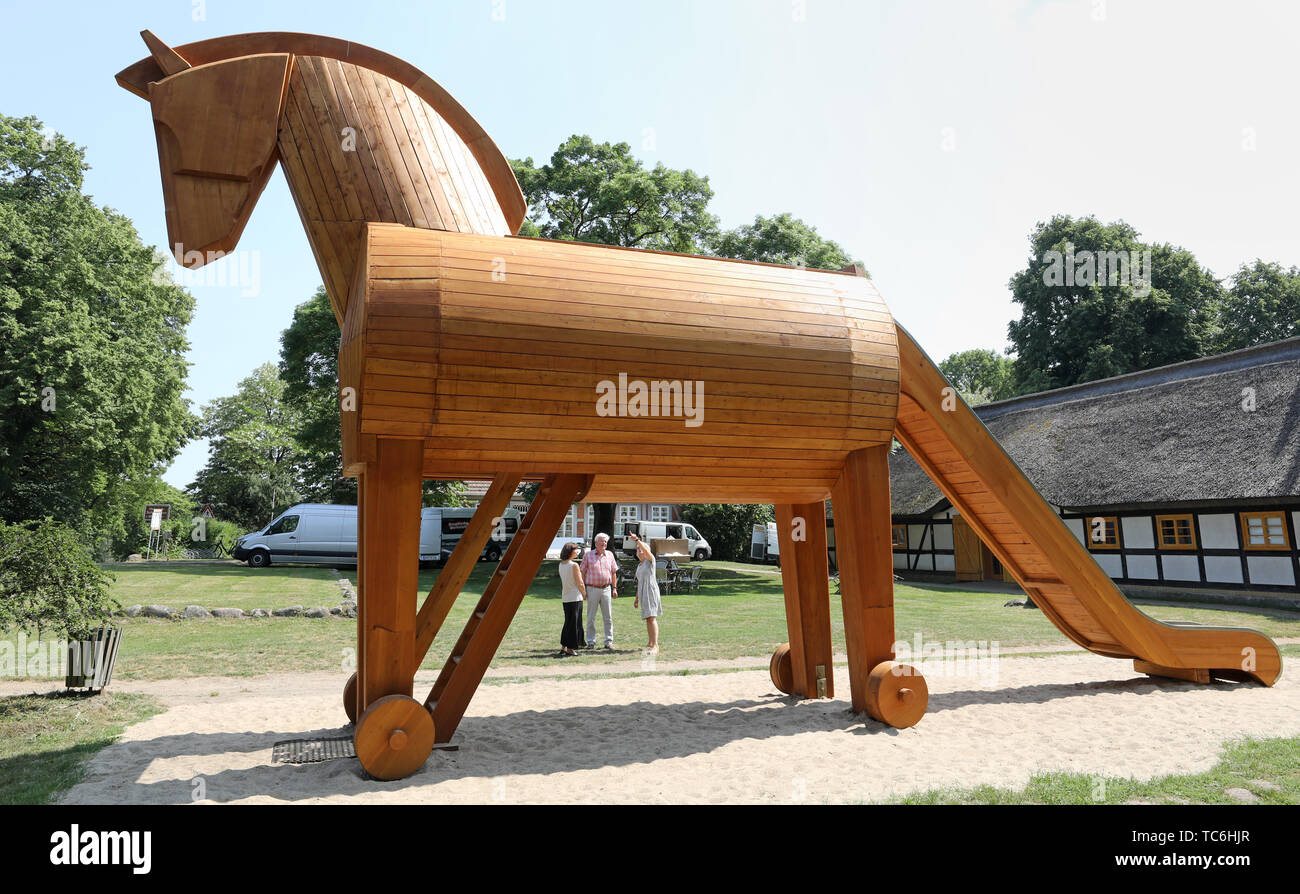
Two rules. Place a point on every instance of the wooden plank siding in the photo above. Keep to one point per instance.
(491, 349)
(359, 146)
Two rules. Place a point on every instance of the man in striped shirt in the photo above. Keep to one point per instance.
(600, 574)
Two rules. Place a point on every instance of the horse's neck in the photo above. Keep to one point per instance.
(357, 146)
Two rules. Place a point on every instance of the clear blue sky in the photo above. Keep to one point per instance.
(926, 137)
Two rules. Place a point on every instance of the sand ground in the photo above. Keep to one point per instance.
(720, 734)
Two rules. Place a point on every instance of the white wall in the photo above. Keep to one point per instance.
(1076, 528)
(1180, 567)
(1219, 531)
(1223, 569)
(1142, 567)
(942, 536)
(1137, 532)
(1271, 570)
(944, 563)
(1109, 563)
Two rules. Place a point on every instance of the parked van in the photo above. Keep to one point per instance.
(764, 545)
(455, 521)
(325, 534)
(696, 544)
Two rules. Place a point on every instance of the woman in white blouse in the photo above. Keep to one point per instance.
(572, 594)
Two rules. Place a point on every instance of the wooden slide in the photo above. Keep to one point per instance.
(995, 498)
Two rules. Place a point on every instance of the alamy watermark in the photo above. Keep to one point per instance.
(22, 657)
(1106, 268)
(635, 397)
(242, 270)
(977, 659)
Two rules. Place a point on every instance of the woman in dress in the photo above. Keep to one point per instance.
(647, 593)
(572, 592)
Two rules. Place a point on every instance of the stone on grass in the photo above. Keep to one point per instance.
(317, 612)
(1264, 785)
(258, 613)
(288, 612)
(194, 612)
(228, 612)
(1241, 795)
(133, 611)
(158, 611)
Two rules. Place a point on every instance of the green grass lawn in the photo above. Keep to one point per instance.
(1244, 765)
(46, 739)
(225, 585)
(738, 611)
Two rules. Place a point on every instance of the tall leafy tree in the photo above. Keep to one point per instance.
(1262, 305)
(599, 192)
(781, 239)
(1077, 325)
(92, 344)
(728, 527)
(253, 453)
(309, 368)
(979, 374)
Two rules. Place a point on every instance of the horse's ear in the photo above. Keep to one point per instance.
(217, 127)
(168, 59)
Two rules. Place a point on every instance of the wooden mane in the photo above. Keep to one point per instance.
(496, 167)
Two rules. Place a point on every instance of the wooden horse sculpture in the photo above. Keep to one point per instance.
(606, 374)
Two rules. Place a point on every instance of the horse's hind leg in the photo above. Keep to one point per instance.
(864, 551)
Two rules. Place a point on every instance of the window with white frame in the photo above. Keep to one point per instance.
(629, 512)
(569, 528)
(661, 513)
(588, 530)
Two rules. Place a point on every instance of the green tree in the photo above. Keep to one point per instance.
(1262, 305)
(309, 368)
(781, 239)
(598, 192)
(135, 529)
(251, 472)
(1153, 304)
(92, 344)
(728, 527)
(979, 374)
(49, 583)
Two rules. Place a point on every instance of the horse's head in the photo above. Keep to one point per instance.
(216, 126)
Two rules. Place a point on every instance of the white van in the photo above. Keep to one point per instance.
(325, 534)
(699, 547)
(764, 545)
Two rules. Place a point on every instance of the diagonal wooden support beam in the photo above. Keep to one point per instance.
(451, 580)
(487, 625)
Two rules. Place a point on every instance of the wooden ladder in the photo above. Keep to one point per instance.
(487, 624)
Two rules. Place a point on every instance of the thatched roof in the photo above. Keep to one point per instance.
(1169, 436)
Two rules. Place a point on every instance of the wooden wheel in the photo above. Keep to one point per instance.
(394, 737)
(350, 698)
(897, 694)
(782, 669)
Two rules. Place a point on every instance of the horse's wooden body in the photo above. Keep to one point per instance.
(470, 353)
